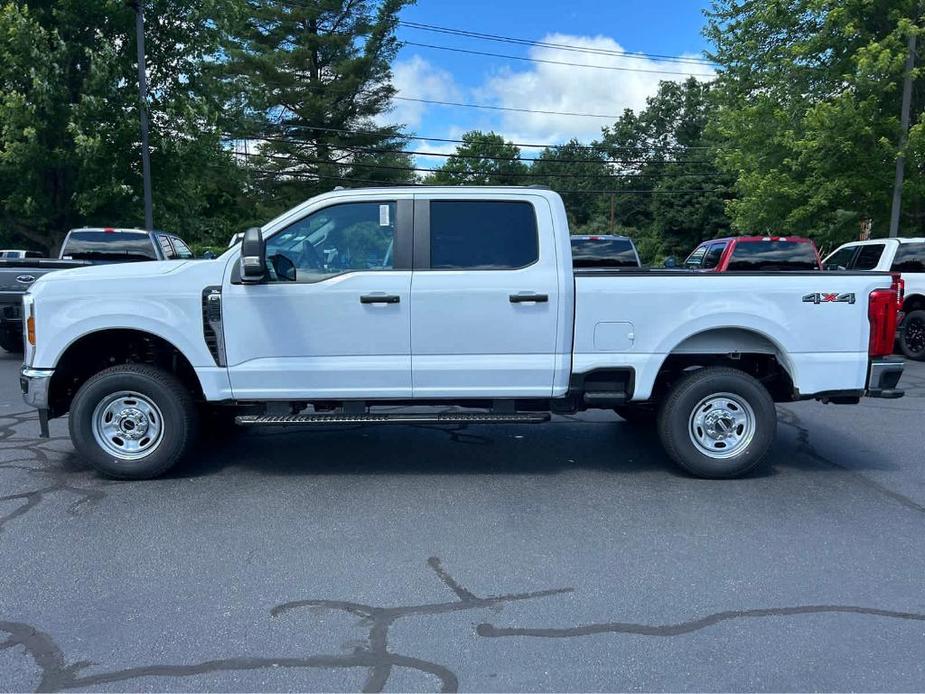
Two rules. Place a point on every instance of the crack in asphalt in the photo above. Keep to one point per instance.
(58, 477)
(806, 447)
(491, 631)
(375, 655)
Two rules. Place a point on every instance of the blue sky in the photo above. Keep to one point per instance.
(666, 27)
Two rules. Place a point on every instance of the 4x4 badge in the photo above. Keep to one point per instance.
(827, 298)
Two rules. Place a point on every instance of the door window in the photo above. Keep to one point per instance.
(183, 251)
(713, 254)
(909, 258)
(841, 259)
(166, 247)
(351, 237)
(695, 259)
(482, 235)
(868, 257)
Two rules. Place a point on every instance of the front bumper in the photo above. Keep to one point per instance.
(34, 384)
(884, 376)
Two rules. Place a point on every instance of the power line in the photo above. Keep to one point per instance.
(421, 138)
(422, 169)
(419, 153)
(401, 184)
(640, 55)
(556, 62)
(505, 108)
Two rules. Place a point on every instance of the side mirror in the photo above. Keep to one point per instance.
(671, 262)
(253, 257)
(208, 255)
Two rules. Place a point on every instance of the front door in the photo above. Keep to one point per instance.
(333, 319)
(484, 298)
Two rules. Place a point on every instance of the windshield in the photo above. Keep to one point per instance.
(108, 245)
(603, 252)
(773, 255)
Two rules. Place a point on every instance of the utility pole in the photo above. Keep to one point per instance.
(903, 139)
(143, 111)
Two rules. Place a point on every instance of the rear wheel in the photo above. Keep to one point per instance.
(718, 423)
(133, 421)
(912, 336)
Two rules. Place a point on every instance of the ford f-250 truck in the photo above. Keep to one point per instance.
(360, 300)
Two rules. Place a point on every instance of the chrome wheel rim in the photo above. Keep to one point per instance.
(128, 425)
(722, 425)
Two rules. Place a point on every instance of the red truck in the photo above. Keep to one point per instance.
(752, 253)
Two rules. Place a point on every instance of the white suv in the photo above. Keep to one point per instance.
(906, 256)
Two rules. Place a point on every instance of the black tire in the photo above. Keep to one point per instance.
(638, 415)
(912, 336)
(705, 393)
(174, 407)
(12, 342)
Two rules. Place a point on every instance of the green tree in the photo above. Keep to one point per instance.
(482, 159)
(69, 145)
(670, 187)
(313, 76)
(580, 172)
(809, 102)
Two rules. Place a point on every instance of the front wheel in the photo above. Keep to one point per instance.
(133, 421)
(718, 423)
(912, 336)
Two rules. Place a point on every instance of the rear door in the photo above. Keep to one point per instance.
(484, 297)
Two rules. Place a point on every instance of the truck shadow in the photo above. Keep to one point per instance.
(435, 450)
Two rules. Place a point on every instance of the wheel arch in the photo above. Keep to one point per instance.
(97, 350)
(749, 350)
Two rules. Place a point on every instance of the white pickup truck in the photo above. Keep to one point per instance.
(358, 301)
(904, 256)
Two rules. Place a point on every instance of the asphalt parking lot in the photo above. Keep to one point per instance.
(569, 557)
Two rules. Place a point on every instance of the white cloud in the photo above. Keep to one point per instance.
(417, 79)
(555, 87)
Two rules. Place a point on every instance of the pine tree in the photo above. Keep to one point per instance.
(315, 78)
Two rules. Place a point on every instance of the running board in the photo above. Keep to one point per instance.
(439, 418)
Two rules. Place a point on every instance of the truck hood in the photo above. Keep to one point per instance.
(153, 268)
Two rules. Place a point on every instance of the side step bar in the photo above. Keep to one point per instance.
(438, 418)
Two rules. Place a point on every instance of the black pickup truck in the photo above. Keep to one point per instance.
(81, 247)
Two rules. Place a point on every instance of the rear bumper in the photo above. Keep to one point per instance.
(883, 378)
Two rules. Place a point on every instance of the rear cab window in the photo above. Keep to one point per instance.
(483, 235)
(910, 257)
(108, 246)
(773, 255)
(841, 259)
(602, 251)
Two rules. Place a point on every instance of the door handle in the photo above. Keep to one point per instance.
(380, 299)
(529, 298)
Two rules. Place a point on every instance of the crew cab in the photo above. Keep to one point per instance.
(905, 256)
(88, 246)
(359, 301)
(755, 253)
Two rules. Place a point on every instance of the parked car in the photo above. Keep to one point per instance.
(755, 253)
(80, 247)
(604, 252)
(905, 256)
(19, 255)
(359, 301)
(236, 239)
